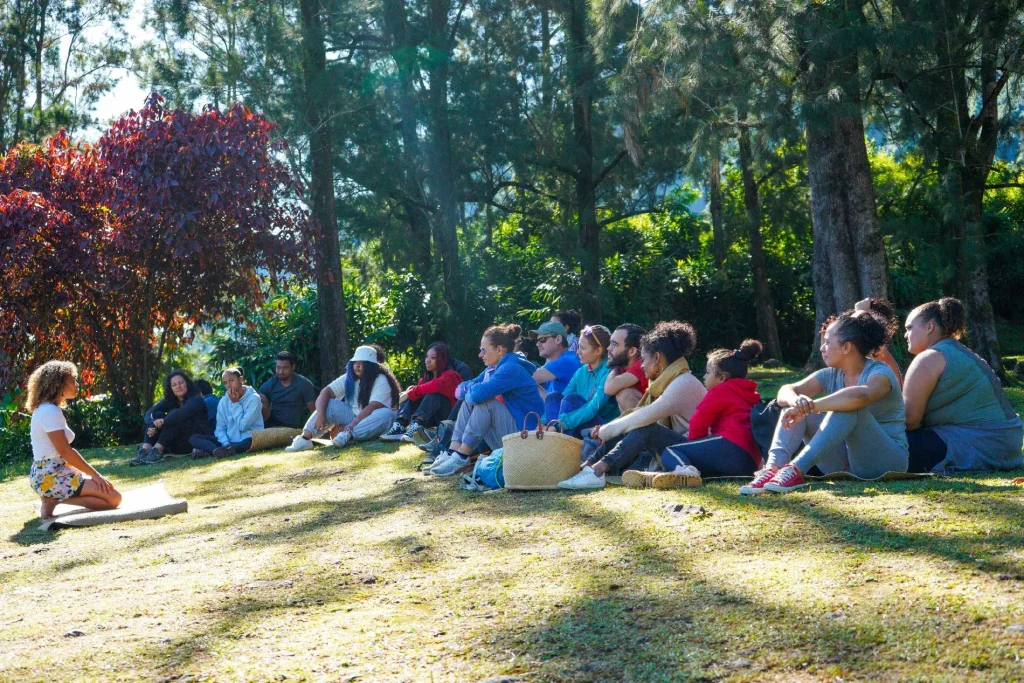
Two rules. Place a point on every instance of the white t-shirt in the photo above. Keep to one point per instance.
(381, 392)
(45, 419)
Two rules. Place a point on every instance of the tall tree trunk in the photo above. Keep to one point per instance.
(404, 54)
(720, 240)
(442, 162)
(330, 299)
(849, 255)
(968, 145)
(582, 70)
(767, 329)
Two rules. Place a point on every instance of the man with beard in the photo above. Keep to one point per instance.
(626, 381)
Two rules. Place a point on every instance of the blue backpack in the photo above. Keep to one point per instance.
(487, 474)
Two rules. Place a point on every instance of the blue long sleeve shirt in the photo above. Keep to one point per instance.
(514, 384)
(590, 385)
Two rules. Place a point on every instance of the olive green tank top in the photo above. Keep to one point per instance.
(964, 393)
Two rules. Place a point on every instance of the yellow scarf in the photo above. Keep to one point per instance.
(656, 388)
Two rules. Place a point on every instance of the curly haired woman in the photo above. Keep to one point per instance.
(59, 473)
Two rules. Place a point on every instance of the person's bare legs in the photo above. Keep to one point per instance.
(46, 506)
(93, 497)
(627, 399)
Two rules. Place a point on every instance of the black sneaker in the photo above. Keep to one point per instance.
(198, 453)
(396, 433)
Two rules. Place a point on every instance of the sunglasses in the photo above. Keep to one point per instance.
(541, 340)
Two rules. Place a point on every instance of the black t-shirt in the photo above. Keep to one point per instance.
(288, 403)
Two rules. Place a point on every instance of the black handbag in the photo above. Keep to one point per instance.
(763, 419)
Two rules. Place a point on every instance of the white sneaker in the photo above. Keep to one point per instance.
(396, 433)
(342, 439)
(451, 466)
(687, 471)
(438, 461)
(299, 444)
(586, 479)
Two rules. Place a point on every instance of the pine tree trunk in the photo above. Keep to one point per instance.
(849, 256)
(403, 52)
(330, 300)
(767, 329)
(442, 164)
(721, 242)
(581, 66)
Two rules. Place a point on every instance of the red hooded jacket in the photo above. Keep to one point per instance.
(444, 385)
(725, 411)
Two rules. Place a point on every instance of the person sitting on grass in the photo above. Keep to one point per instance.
(571, 321)
(849, 414)
(425, 405)
(957, 414)
(661, 418)
(559, 366)
(626, 381)
(287, 397)
(495, 405)
(211, 400)
(59, 473)
(239, 414)
(584, 403)
(356, 406)
(173, 421)
(720, 442)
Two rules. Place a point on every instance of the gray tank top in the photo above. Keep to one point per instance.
(967, 391)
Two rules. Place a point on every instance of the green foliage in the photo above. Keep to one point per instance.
(15, 443)
(99, 422)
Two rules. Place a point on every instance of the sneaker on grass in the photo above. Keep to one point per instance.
(452, 465)
(410, 435)
(756, 487)
(342, 439)
(438, 461)
(300, 444)
(153, 456)
(636, 479)
(789, 478)
(198, 453)
(396, 433)
(682, 477)
(585, 479)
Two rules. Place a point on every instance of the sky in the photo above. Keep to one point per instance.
(128, 93)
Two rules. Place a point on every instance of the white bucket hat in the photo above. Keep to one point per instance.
(367, 354)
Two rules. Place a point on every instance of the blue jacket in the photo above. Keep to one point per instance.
(460, 391)
(514, 383)
(590, 385)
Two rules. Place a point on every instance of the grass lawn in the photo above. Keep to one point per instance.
(347, 565)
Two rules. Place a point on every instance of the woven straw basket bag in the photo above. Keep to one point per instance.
(273, 437)
(539, 460)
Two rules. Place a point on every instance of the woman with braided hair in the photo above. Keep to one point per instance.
(849, 414)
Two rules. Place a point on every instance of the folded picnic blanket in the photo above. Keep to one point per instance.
(834, 476)
(148, 502)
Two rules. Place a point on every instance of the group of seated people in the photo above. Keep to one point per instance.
(627, 392)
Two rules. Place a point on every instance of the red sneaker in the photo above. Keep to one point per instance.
(789, 478)
(756, 487)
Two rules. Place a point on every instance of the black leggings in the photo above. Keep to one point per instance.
(927, 449)
(714, 456)
(637, 447)
(173, 439)
(210, 444)
(428, 410)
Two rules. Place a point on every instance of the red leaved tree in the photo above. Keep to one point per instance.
(124, 248)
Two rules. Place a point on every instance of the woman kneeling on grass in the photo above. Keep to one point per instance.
(857, 426)
(59, 473)
(660, 420)
(720, 443)
(496, 404)
(359, 405)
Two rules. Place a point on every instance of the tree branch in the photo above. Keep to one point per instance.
(608, 169)
(629, 214)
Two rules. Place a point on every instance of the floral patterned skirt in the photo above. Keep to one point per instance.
(54, 478)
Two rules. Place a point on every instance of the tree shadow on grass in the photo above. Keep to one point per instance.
(31, 534)
(846, 527)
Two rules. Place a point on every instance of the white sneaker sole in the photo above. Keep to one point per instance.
(775, 488)
(393, 437)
